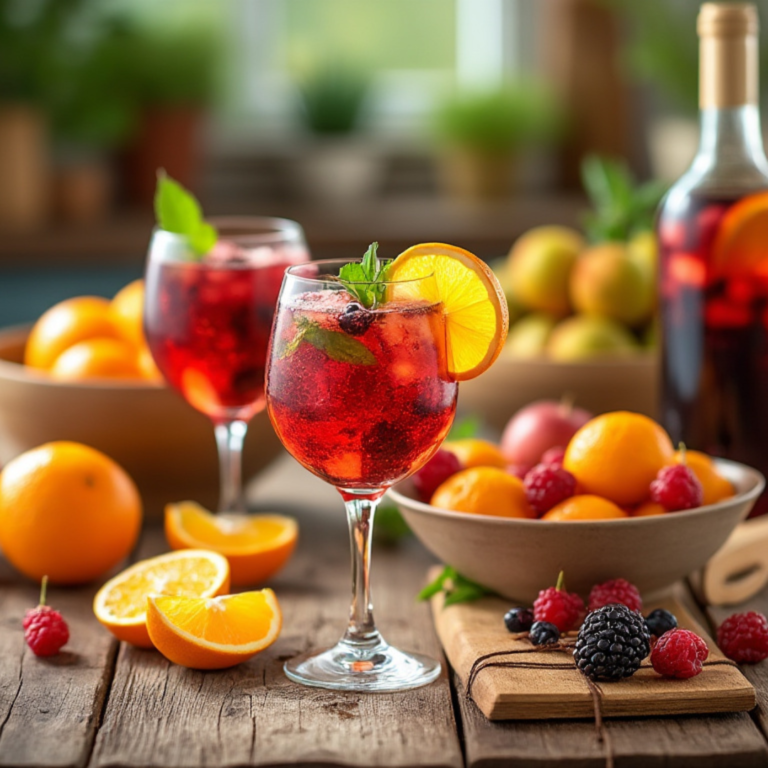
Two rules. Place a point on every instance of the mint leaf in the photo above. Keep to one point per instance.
(338, 346)
(366, 281)
(178, 211)
(464, 428)
(457, 588)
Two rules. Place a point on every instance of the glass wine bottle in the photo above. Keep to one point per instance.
(713, 239)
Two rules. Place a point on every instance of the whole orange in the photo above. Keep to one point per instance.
(715, 486)
(483, 491)
(98, 359)
(64, 325)
(68, 511)
(617, 455)
(584, 507)
(127, 311)
(472, 452)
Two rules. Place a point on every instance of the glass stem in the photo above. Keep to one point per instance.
(229, 440)
(361, 631)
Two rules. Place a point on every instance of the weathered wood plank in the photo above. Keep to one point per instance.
(50, 708)
(683, 742)
(757, 674)
(159, 714)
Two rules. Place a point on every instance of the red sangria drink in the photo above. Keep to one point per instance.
(361, 389)
(208, 322)
(360, 397)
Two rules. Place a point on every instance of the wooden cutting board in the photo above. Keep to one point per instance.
(471, 630)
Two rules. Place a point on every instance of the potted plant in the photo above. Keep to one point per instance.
(25, 42)
(171, 74)
(480, 132)
(337, 163)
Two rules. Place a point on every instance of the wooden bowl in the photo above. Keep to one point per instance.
(607, 384)
(517, 558)
(166, 446)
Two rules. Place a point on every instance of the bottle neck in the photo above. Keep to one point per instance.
(731, 138)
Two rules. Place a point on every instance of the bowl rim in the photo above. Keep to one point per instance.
(23, 374)
(757, 478)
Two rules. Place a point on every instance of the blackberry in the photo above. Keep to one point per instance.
(612, 642)
(544, 633)
(518, 619)
(660, 621)
(355, 320)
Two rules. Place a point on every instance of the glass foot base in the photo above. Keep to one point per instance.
(346, 668)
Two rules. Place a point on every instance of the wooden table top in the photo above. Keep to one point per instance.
(103, 704)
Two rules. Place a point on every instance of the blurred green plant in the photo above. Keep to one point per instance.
(620, 206)
(664, 48)
(499, 120)
(332, 97)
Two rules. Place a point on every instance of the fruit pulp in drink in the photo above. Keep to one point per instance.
(208, 327)
(715, 336)
(362, 398)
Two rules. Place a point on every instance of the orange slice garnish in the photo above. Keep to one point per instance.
(741, 242)
(214, 633)
(121, 604)
(476, 314)
(256, 546)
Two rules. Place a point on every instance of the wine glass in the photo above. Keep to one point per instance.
(208, 320)
(362, 398)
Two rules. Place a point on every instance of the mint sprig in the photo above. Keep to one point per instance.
(366, 280)
(338, 346)
(457, 588)
(178, 211)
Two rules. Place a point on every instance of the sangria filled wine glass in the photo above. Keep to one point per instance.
(362, 398)
(208, 320)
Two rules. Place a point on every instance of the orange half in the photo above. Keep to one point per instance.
(121, 604)
(256, 546)
(741, 242)
(216, 632)
(475, 308)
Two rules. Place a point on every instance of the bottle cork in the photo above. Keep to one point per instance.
(728, 55)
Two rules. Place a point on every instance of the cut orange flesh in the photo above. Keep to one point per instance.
(214, 633)
(256, 546)
(741, 242)
(121, 604)
(476, 314)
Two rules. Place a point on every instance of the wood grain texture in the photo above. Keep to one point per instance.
(471, 630)
(160, 714)
(713, 741)
(50, 708)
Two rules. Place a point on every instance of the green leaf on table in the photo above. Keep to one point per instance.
(338, 346)
(178, 211)
(366, 280)
(390, 527)
(457, 588)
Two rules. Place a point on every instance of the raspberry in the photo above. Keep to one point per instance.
(660, 621)
(556, 606)
(544, 633)
(677, 488)
(554, 455)
(355, 319)
(518, 619)
(435, 472)
(547, 485)
(743, 637)
(616, 591)
(45, 629)
(679, 653)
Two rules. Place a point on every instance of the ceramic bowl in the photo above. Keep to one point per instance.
(161, 441)
(607, 384)
(517, 558)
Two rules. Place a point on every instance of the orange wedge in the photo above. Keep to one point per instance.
(257, 546)
(214, 633)
(476, 314)
(121, 604)
(741, 244)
